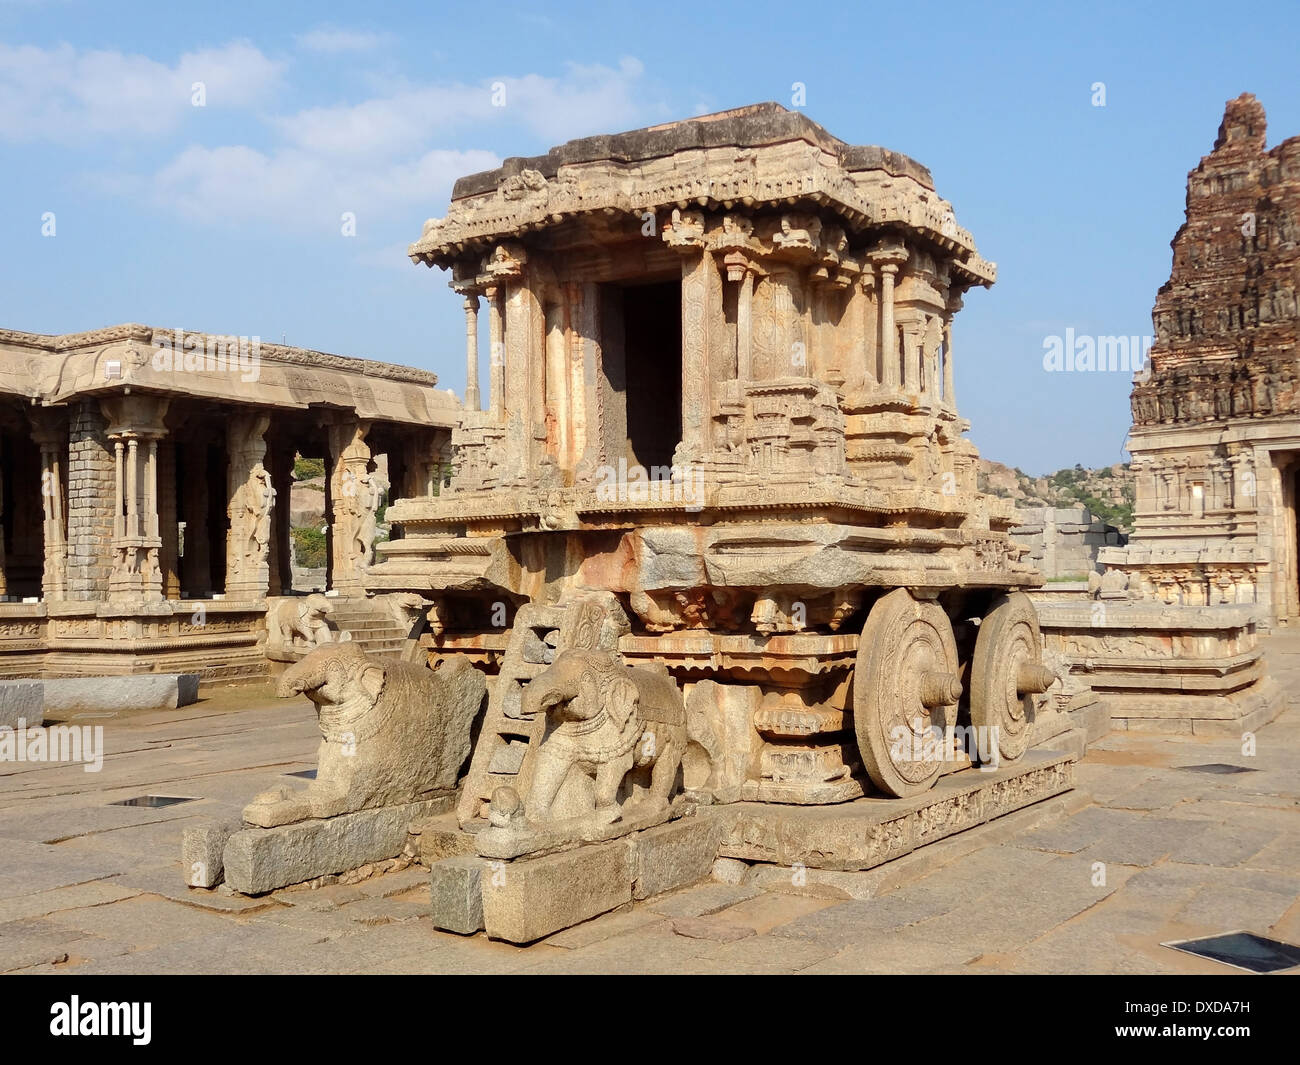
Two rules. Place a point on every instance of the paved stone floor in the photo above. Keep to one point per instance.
(1153, 845)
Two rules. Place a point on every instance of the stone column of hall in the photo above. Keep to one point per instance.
(135, 425)
(250, 505)
(350, 458)
(949, 394)
(887, 261)
(50, 431)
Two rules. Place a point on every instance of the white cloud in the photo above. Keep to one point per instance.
(295, 188)
(65, 95)
(331, 40)
(374, 157)
(399, 149)
(587, 99)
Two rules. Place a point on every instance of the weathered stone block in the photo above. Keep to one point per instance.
(675, 854)
(530, 898)
(22, 701)
(138, 691)
(202, 848)
(258, 860)
(456, 893)
(441, 837)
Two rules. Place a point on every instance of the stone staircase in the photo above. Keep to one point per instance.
(373, 627)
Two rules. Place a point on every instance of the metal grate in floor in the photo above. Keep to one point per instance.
(1218, 767)
(1242, 950)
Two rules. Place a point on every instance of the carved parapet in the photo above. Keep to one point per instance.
(794, 424)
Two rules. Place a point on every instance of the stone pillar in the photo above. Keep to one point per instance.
(745, 328)
(888, 262)
(251, 502)
(588, 356)
(135, 424)
(50, 432)
(92, 520)
(518, 383)
(424, 464)
(870, 324)
(350, 457)
(534, 346)
(555, 359)
(507, 267)
(497, 355)
(701, 305)
(471, 351)
(949, 392)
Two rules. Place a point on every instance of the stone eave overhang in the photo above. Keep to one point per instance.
(132, 357)
(72, 343)
(715, 162)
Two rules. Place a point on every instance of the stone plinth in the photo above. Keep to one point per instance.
(869, 832)
(258, 860)
(1171, 669)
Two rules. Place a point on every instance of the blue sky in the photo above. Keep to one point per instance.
(226, 217)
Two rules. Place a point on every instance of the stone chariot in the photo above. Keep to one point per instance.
(720, 408)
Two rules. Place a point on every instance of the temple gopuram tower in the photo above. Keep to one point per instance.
(1216, 419)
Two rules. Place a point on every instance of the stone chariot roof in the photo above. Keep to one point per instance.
(755, 155)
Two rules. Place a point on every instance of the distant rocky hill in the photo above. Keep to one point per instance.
(1108, 492)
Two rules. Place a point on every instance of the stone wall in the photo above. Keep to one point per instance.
(1064, 542)
(90, 504)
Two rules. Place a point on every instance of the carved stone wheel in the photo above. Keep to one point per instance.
(905, 693)
(1006, 673)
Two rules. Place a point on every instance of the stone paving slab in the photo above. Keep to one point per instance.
(1184, 854)
(93, 893)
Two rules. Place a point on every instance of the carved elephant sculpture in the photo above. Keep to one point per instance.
(299, 622)
(607, 720)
